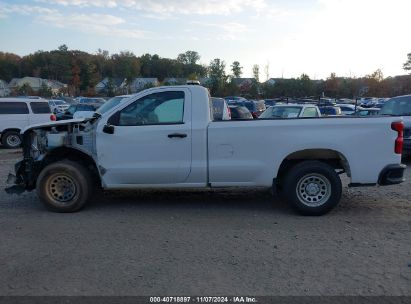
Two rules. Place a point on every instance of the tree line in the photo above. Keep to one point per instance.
(81, 71)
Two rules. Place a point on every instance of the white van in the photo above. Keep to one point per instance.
(18, 113)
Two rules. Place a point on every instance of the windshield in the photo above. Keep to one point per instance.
(59, 102)
(281, 112)
(113, 102)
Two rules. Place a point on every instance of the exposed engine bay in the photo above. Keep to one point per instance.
(42, 144)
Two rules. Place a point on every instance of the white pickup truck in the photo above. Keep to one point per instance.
(165, 137)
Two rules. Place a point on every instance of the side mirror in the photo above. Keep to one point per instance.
(109, 129)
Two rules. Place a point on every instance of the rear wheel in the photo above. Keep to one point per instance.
(312, 188)
(11, 139)
(64, 186)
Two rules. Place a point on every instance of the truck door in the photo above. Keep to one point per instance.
(150, 141)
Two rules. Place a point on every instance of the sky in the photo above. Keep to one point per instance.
(290, 37)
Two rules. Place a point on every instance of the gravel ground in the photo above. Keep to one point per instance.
(205, 243)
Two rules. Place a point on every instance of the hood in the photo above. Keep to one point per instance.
(55, 123)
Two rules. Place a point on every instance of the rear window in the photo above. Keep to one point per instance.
(40, 107)
(330, 111)
(13, 108)
(281, 112)
(240, 112)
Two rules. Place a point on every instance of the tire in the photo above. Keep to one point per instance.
(312, 188)
(11, 139)
(64, 186)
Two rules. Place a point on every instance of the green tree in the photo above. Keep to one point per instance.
(218, 78)
(9, 66)
(407, 64)
(25, 90)
(237, 69)
(63, 48)
(256, 72)
(307, 88)
(189, 57)
(45, 91)
(331, 85)
(126, 65)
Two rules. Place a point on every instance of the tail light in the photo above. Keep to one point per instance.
(399, 141)
(229, 112)
(53, 117)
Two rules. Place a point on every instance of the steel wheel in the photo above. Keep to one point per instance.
(13, 141)
(313, 189)
(61, 188)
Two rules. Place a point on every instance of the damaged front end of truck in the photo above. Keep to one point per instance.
(47, 143)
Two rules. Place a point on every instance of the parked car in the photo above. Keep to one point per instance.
(291, 111)
(240, 112)
(368, 102)
(326, 102)
(346, 101)
(69, 113)
(58, 106)
(367, 112)
(271, 102)
(18, 113)
(220, 109)
(30, 97)
(347, 109)
(92, 100)
(112, 102)
(256, 107)
(330, 110)
(234, 99)
(164, 137)
(401, 106)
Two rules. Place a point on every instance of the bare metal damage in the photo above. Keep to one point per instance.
(42, 142)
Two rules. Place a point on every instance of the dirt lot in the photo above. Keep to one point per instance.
(205, 243)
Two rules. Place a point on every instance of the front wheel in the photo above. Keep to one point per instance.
(312, 187)
(64, 186)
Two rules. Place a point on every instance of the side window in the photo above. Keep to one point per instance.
(40, 107)
(310, 112)
(13, 108)
(157, 108)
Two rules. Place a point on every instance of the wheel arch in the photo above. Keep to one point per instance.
(75, 155)
(9, 130)
(329, 156)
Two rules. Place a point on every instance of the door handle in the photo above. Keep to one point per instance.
(177, 135)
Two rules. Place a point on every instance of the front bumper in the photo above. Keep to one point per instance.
(25, 177)
(392, 175)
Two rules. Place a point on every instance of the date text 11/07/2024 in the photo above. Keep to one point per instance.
(233, 299)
